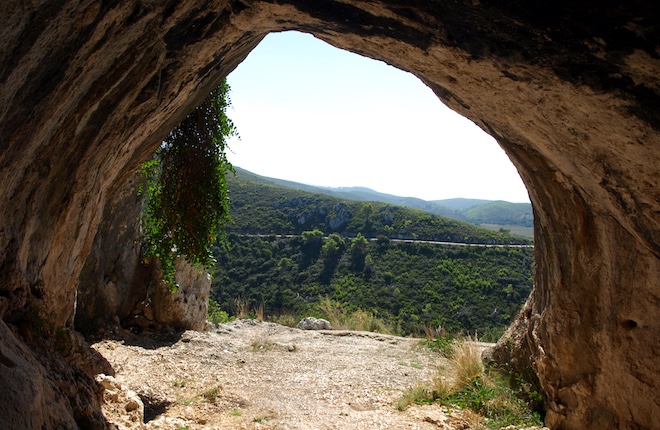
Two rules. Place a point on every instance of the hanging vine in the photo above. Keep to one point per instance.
(187, 205)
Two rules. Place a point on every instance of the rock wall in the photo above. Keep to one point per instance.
(570, 91)
(114, 278)
(118, 285)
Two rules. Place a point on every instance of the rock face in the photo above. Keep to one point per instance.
(187, 308)
(119, 285)
(569, 90)
(41, 389)
(114, 279)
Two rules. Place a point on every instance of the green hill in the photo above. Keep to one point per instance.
(461, 204)
(494, 214)
(409, 285)
(267, 206)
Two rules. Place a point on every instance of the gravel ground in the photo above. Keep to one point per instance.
(257, 375)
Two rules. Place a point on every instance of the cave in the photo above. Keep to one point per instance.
(569, 90)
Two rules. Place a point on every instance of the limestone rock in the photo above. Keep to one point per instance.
(121, 405)
(186, 308)
(43, 391)
(114, 278)
(311, 323)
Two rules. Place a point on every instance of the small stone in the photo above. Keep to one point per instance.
(132, 405)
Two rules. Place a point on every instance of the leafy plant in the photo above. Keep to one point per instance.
(419, 395)
(491, 396)
(186, 198)
(216, 315)
(443, 343)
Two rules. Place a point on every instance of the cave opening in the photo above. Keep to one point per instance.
(570, 92)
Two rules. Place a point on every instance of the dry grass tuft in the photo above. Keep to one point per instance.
(211, 394)
(342, 318)
(262, 342)
(486, 400)
(241, 307)
(465, 362)
(414, 395)
(259, 312)
(288, 319)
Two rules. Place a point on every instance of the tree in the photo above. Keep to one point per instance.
(333, 247)
(358, 252)
(313, 239)
(187, 202)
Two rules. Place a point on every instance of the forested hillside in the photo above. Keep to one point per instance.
(291, 251)
(261, 206)
(411, 285)
(492, 214)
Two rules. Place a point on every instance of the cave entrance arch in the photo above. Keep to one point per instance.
(569, 91)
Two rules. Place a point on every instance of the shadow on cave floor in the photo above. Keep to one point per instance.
(147, 339)
(153, 408)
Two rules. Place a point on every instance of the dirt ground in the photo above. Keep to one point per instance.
(258, 375)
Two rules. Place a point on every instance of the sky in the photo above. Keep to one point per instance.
(309, 112)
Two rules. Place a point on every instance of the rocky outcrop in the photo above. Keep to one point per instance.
(187, 307)
(44, 387)
(569, 90)
(121, 405)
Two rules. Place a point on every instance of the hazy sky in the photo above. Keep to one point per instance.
(311, 113)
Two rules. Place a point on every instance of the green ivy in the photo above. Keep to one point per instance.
(187, 203)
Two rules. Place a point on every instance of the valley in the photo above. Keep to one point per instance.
(290, 253)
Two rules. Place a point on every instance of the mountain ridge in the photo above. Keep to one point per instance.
(481, 212)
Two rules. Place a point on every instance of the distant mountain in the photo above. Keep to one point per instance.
(474, 211)
(461, 204)
(368, 195)
(503, 213)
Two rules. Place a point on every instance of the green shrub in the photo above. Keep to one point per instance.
(443, 343)
(216, 315)
(491, 396)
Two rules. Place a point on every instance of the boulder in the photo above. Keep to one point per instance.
(311, 323)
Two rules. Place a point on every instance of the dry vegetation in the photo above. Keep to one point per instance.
(485, 397)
